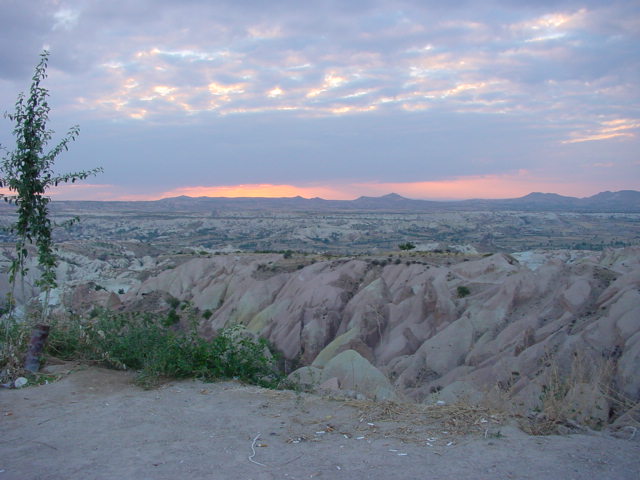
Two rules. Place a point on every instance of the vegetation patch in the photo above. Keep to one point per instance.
(463, 291)
(142, 343)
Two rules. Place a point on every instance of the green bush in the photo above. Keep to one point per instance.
(137, 342)
(173, 302)
(172, 318)
(463, 291)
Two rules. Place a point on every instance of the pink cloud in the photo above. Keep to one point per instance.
(608, 129)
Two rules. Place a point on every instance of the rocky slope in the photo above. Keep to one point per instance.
(534, 328)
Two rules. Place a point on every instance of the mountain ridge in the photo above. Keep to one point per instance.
(623, 201)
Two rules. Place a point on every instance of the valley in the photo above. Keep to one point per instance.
(489, 302)
(342, 228)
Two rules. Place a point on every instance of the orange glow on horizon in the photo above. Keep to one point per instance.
(254, 190)
(472, 187)
(481, 187)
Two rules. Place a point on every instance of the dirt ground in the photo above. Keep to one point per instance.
(96, 424)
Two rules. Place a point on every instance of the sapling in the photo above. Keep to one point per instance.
(27, 172)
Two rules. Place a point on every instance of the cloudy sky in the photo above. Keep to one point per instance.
(337, 99)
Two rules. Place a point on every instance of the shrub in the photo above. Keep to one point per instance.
(406, 246)
(173, 302)
(463, 291)
(137, 342)
(172, 318)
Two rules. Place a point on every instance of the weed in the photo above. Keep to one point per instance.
(13, 343)
(569, 392)
(138, 342)
(581, 393)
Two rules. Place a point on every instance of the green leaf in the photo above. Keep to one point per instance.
(29, 173)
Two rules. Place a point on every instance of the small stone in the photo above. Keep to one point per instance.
(20, 382)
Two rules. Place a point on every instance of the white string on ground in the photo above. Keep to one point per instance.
(633, 433)
(253, 452)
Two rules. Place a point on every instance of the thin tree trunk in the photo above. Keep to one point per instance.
(39, 336)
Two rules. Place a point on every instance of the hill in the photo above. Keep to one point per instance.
(624, 201)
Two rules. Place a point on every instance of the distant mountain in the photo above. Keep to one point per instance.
(629, 198)
(535, 201)
(392, 201)
(547, 199)
(624, 201)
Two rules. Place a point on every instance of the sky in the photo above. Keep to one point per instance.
(333, 99)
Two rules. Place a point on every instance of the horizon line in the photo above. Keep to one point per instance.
(265, 197)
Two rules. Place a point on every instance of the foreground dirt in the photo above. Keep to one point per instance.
(96, 424)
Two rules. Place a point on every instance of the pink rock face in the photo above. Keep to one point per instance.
(481, 323)
(87, 296)
(576, 296)
(331, 384)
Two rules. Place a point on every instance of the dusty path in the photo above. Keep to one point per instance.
(95, 424)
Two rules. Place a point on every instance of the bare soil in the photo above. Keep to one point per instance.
(97, 424)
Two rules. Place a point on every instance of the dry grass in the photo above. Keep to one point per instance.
(13, 343)
(574, 397)
(421, 423)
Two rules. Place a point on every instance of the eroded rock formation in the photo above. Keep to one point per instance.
(524, 316)
(444, 328)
